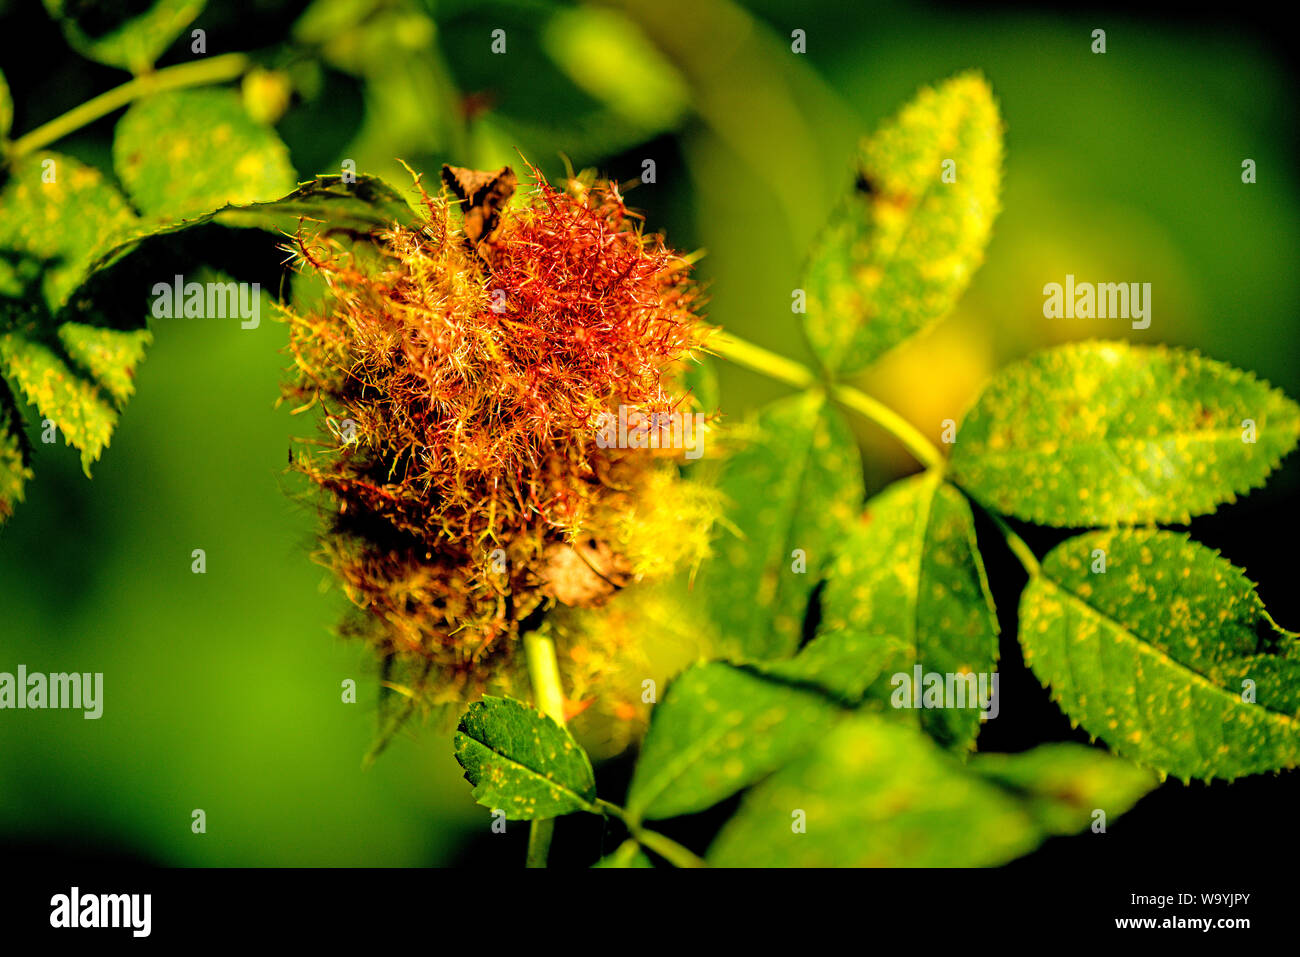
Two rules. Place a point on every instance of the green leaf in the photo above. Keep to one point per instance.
(1101, 433)
(902, 246)
(628, 854)
(66, 223)
(120, 280)
(1159, 654)
(133, 44)
(6, 108)
(188, 152)
(522, 762)
(910, 569)
(328, 203)
(77, 234)
(794, 487)
(365, 205)
(718, 729)
(875, 793)
(109, 355)
(74, 403)
(1062, 784)
(606, 55)
(56, 216)
(839, 663)
(14, 472)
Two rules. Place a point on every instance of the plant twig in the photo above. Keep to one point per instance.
(926, 452)
(792, 373)
(548, 696)
(922, 449)
(217, 69)
(540, 833)
(758, 359)
(1024, 554)
(665, 847)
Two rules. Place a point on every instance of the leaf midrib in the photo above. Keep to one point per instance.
(1053, 447)
(581, 798)
(948, 136)
(682, 760)
(1162, 656)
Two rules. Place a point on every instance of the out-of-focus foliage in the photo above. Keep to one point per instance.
(186, 153)
(134, 41)
(910, 569)
(873, 793)
(789, 490)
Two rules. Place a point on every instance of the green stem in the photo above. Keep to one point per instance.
(665, 847)
(548, 696)
(792, 373)
(540, 833)
(217, 69)
(915, 441)
(926, 452)
(758, 359)
(544, 673)
(1018, 547)
(668, 849)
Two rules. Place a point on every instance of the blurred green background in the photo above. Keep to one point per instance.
(223, 691)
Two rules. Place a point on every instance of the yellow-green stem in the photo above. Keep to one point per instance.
(665, 847)
(217, 69)
(761, 360)
(1018, 546)
(926, 452)
(548, 696)
(792, 373)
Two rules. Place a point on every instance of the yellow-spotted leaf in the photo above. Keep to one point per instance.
(910, 569)
(109, 355)
(522, 762)
(188, 152)
(1163, 650)
(14, 471)
(791, 489)
(719, 728)
(1102, 433)
(1065, 784)
(903, 244)
(6, 108)
(874, 793)
(64, 214)
(82, 411)
(130, 36)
